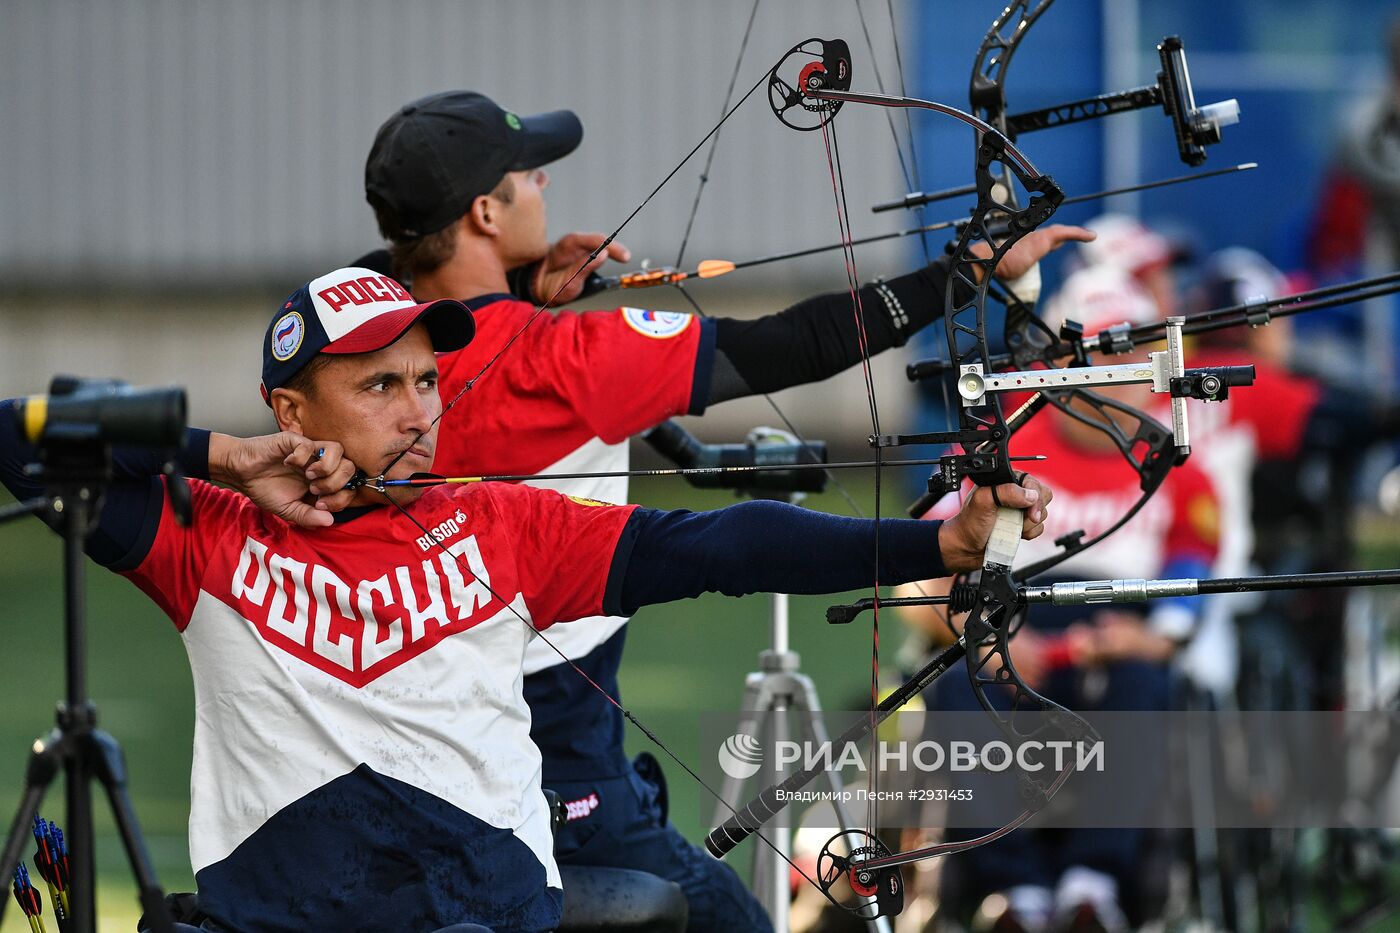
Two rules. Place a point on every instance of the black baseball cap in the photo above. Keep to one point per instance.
(353, 310)
(436, 155)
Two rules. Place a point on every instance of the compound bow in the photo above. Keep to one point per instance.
(856, 859)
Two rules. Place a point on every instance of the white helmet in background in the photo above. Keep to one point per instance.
(1099, 297)
(1125, 243)
(1233, 276)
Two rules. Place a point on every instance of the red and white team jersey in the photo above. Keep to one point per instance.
(365, 648)
(566, 398)
(1093, 489)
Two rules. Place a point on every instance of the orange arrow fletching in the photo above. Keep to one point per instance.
(710, 268)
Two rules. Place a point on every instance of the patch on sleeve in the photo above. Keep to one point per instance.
(658, 324)
(582, 501)
(1204, 515)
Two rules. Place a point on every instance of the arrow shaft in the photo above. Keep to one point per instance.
(666, 277)
(918, 199)
(432, 480)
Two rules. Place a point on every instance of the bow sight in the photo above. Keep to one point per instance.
(1195, 127)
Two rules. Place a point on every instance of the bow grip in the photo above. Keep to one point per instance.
(1005, 537)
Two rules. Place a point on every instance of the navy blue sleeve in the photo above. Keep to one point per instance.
(820, 337)
(141, 462)
(762, 547)
(131, 505)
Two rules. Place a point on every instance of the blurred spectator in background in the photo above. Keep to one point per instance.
(1355, 231)
(1360, 205)
(1266, 422)
(1086, 658)
(1124, 244)
(1291, 441)
(1279, 419)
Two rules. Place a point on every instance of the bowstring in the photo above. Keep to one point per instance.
(916, 184)
(471, 383)
(838, 187)
(909, 169)
(714, 143)
(695, 305)
(624, 711)
(912, 176)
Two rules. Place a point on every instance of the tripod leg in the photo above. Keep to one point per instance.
(44, 762)
(108, 766)
(82, 860)
(732, 787)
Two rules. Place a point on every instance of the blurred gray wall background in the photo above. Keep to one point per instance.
(170, 168)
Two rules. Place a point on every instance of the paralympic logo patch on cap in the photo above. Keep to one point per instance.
(287, 335)
(658, 324)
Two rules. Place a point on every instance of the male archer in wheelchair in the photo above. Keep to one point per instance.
(362, 753)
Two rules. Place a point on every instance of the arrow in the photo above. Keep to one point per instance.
(713, 268)
(28, 897)
(918, 198)
(424, 480)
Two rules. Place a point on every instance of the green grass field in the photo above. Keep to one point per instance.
(683, 660)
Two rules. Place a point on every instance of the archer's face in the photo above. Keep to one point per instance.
(376, 405)
(524, 220)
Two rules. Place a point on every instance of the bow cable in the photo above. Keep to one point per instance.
(714, 143)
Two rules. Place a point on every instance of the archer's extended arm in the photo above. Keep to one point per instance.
(770, 547)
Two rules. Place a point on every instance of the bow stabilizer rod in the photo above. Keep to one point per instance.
(1257, 313)
(1105, 592)
(1129, 590)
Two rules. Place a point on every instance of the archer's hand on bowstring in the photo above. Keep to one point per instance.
(287, 474)
(1033, 247)
(963, 538)
(563, 259)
